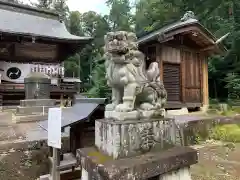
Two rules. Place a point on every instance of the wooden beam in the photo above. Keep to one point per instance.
(205, 81)
(191, 28)
(208, 48)
(35, 50)
(183, 75)
(164, 38)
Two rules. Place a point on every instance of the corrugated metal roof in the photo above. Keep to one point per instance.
(32, 25)
(73, 114)
(166, 29)
(78, 112)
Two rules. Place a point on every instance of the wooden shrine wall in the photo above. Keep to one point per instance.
(183, 71)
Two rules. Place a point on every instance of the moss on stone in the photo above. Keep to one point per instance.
(99, 157)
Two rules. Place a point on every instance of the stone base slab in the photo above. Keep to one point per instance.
(29, 118)
(37, 102)
(146, 166)
(129, 138)
(122, 116)
(181, 174)
(134, 115)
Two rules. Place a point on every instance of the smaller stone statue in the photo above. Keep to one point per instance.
(136, 92)
(188, 15)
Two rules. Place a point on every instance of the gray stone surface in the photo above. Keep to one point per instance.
(162, 165)
(29, 118)
(37, 86)
(37, 102)
(33, 110)
(121, 139)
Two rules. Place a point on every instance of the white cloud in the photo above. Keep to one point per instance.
(87, 5)
(82, 6)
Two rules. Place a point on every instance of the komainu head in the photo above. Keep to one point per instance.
(120, 42)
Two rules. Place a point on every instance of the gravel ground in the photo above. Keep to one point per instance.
(217, 161)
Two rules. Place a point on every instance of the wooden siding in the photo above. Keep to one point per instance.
(36, 50)
(191, 75)
(171, 80)
(171, 55)
(205, 92)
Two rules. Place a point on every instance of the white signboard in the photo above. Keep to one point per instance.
(16, 72)
(54, 127)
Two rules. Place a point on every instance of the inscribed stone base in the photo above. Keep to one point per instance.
(171, 164)
(129, 138)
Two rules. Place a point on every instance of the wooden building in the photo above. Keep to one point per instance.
(182, 49)
(34, 40)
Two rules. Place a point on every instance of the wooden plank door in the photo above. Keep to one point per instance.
(171, 80)
(192, 77)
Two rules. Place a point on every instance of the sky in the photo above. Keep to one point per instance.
(82, 6)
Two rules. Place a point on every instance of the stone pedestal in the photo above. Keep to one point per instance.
(140, 149)
(129, 138)
(172, 164)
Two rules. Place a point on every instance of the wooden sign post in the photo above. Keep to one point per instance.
(54, 139)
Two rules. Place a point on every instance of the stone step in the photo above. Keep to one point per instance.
(5, 118)
(29, 118)
(32, 110)
(37, 102)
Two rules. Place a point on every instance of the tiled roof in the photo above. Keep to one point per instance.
(32, 22)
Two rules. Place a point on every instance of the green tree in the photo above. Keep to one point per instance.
(120, 17)
(233, 85)
(153, 14)
(99, 88)
(74, 23)
(62, 8)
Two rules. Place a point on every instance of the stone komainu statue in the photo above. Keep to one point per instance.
(133, 87)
